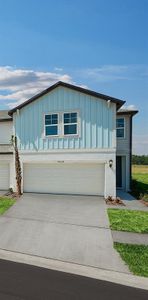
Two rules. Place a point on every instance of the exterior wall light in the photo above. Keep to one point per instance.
(110, 163)
(108, 103)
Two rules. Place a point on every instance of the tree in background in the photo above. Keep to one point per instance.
(140, 159)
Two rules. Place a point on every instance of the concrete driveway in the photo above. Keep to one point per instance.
(68, 228)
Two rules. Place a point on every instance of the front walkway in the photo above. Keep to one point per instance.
(130, 237)
(73, 229)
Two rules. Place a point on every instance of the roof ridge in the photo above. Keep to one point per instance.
(119, 102)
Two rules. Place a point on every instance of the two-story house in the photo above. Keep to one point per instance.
(71, 141)
(6, 151)
(124, 148)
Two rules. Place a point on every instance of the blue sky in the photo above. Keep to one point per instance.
(101, 44)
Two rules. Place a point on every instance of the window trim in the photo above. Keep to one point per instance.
(118, 137)
(61, 125)
(77, 123)
(51, 135)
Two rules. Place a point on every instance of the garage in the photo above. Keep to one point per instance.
(64, 178)
(4, 175)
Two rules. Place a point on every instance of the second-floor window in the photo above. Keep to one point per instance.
(120, 128)
(70, 123)
(61, 124)
(51, 124)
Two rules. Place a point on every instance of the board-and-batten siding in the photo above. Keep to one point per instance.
(97, 122)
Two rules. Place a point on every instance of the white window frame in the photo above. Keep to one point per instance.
(77, 123)
(61, 125)
(118, 137)
(51, 135)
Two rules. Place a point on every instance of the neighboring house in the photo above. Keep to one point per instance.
(6, 151)
(124, 148)
(67, 142)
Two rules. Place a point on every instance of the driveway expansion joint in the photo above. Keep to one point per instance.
(54, 222)
(63, 261)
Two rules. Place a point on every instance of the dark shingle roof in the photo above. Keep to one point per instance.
(73, 87)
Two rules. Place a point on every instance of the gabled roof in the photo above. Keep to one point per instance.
(4, 116)
(70, 86)
(127, 112)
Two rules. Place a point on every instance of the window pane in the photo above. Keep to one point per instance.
(120, 122)
(70, 129)
(70, 118)
(51, 119)
(67, 118)
(48, 120)
(120, 132)
(51, 130)
(55, 119)
(74, 118)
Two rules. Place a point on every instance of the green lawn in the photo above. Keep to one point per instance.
(139, 181)
(135, 256)
(128, 220)
(5, 203)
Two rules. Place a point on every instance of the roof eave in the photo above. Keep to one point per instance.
(130, 112)
(119, 103)
(6, 120)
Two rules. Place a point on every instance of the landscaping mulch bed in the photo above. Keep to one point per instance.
(114, 201)
(144, 202)
(10, 194)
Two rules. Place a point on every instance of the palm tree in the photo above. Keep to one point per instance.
(17, 165)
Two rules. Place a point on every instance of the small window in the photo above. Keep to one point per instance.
(51, 124)
(120, 127)
(70, 123)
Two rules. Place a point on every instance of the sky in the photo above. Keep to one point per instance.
(98, 44)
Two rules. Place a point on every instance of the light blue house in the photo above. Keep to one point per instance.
(67, 142)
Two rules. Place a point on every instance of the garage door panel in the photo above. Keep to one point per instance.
(4, 176)
(64, 178)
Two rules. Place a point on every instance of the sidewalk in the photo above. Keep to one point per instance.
(130, 237)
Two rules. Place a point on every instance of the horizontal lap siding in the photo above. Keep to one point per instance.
(5, 132)
(96, 122)
(4, 176)
(123, 144)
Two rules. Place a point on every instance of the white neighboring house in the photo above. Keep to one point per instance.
(6, 151)
(67, 143)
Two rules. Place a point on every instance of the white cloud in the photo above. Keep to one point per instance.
(108, 73)
(18, 85)
(58, 69)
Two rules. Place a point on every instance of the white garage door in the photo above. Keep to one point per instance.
(4, 176)
(64, 178)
